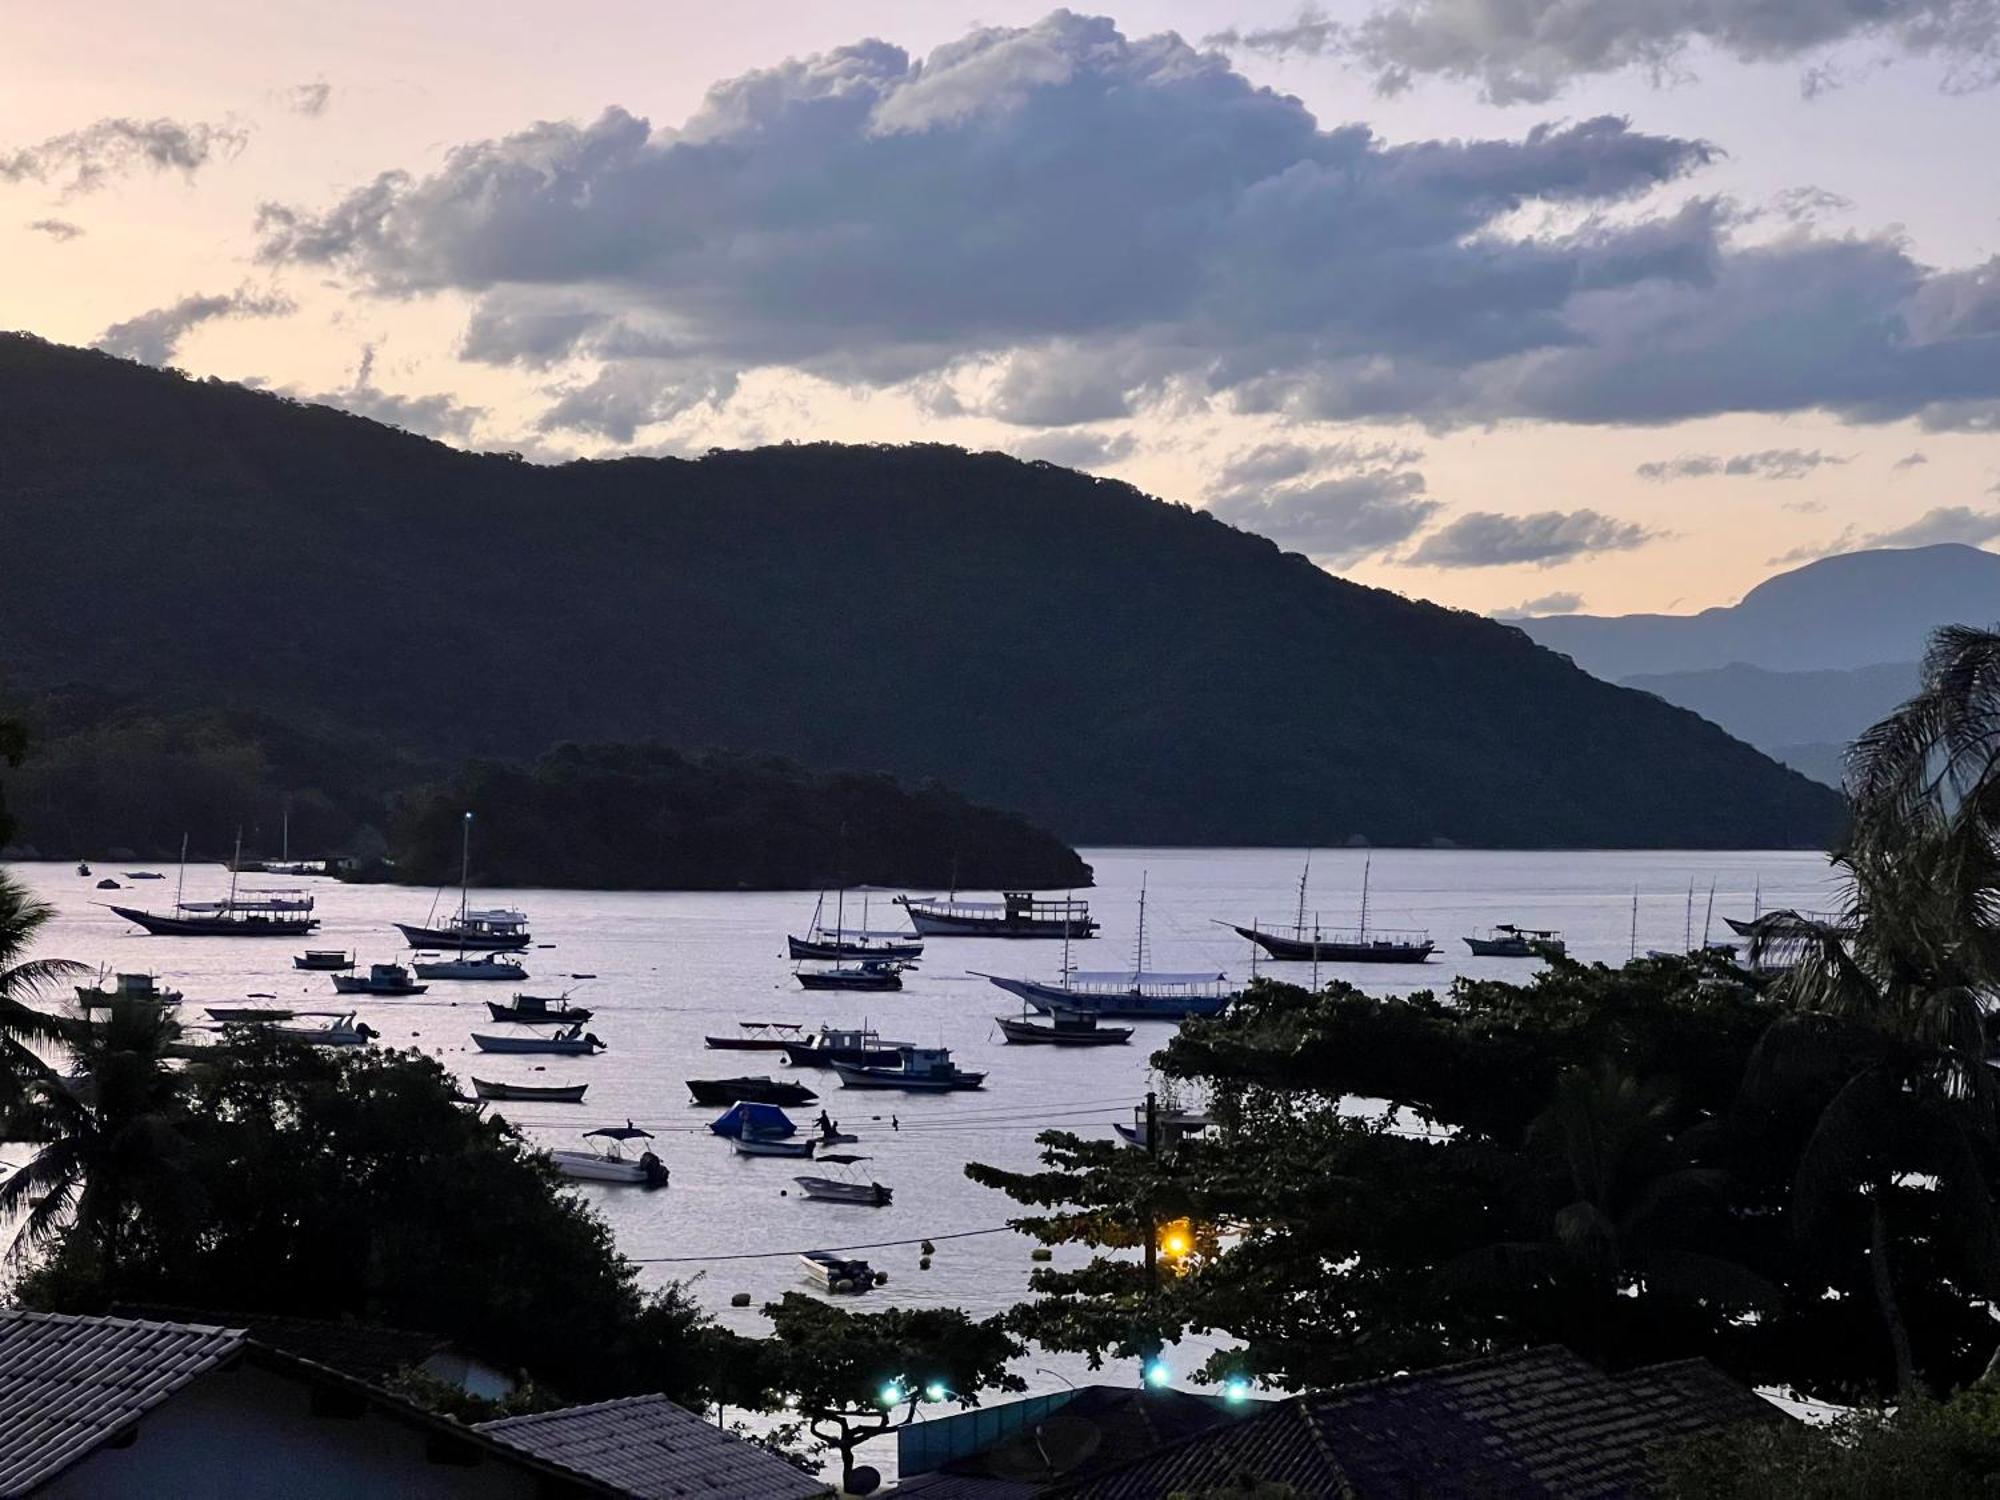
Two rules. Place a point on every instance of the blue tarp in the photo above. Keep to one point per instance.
(765, 1122)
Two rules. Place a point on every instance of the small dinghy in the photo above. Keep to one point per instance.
(532, 1008)
(920, 1070)
(492, 966)
(727, 1091)
(840, 1274)
(750, 1145)
(1064, 1028)
(848, 1188)
(758, 1036)
(570, 1041)
(537, 1093)
(323, 961)
(609, 1162)
(381, 979)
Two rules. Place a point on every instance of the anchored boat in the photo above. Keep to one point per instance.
(839, 1274)
(609, 1163)
(917, 1070)
(758, 1036)
(571, 1041)
(538, 1093)
(727, 1091)
(1312, 944)
(1064, 1028)
(1508, 941)
(1137, 993)
(499, 929)
(382, 979)
(527, 1009)
(839, 942)
(869, 974)
(847, 1188)
(138, 989)
(492, 966)
(323, 961)
(862, 1046)
(250, 914)
(1017, 914)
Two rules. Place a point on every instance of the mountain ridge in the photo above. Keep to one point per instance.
(1116, 667)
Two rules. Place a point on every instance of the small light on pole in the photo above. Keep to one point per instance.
(1157, 1372)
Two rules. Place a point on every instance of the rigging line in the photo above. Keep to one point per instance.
(962, 1234)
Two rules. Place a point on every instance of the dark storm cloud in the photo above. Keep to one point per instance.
(153, 337)
(80, 161)
(1769, 463)
(1530, 50)
(1484, 539)
(1057, 224)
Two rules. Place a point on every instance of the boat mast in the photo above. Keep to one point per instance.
(234, 865)
(464, 876)
(180, 880)
(1299, 926)
(1709, 916)
(1139, 946)
(285, 844)
(1687, 926)
(1366, 863)
(1634, 953)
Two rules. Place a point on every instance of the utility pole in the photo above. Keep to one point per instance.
(1152, 1229)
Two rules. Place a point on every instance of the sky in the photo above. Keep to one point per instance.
(1518, 305)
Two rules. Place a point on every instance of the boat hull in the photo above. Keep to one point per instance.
(446, 937)
(313, 965)
(941, 924)
(1338, 951)
(248, 926)
(805, 1055)
(453, 969)
(849, 981)
(536, 1015)
(346, 985)
(1030, 1033)
(560, 1046)
(895, 1078)
(1135, 1005)
(743, 1044)
(552, 1093)
(832, 1190)
(728, 1091)
(752, 1146)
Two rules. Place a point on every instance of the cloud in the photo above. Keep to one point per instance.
(1770, 463)
(309, 99)
(1561, 602)
(437, 416)
(1531, 50)
(80, 161)
(1485, 539)
(1336, 522)
(1911, 461)
(153, 338)
(59, 230)
(1076, 450)
(1057, 224)
(1945, 523)
(1270, 463)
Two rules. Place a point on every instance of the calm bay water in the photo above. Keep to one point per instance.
(672, 967)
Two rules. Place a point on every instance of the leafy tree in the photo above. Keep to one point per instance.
(13, 747)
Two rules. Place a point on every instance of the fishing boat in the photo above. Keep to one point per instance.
(532, 1008)
(341, 1030)
(917, 1070)
(1508, 941)
(749, 1119)
(847, 1188)
(571, 1041)
(240, 1015)
(1017, 914)
(322, 960)
(758, 1036)
(1312, 944)
(838, 942)
(869, 974)
(1170, 1125)
(1064, 1028)
(751, 1145)
(494, 930)
(381, 979)
(726, 1091)
(862, 1046)
(839, 1274)
(138, 989)
(1137, 993)
(492, 966)
(609, 1163)
(535, 1093)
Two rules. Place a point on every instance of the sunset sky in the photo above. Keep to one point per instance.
(1610, 304)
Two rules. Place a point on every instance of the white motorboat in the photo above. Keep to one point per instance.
(610, 1163)
(849, 1187)
(491, 966)
(839, 1274)
(750, 1145)
(571, 1041)
(341, 1030)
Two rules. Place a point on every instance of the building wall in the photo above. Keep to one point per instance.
(246, 1431)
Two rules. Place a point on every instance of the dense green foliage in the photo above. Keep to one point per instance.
(1943, 1450)
(1116, 668)
(647, 816)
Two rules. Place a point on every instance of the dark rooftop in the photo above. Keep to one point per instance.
(366, 1351)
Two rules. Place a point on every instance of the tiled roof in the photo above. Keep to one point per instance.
(1097, 1428)
(649, 1448)
(366, 1351)
(67, 1384)
(1539, 1425)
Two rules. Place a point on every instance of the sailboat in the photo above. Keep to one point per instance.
(246, 913)
(871, 971)
(838, 942)
(1137, 993)
(1359, 946)
(499, 929)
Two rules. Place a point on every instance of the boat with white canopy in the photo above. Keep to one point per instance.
(1017, 914)
(248, 912)
(492, 966)
(610, 1162)
(499, 929)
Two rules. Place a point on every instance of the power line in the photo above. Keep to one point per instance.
(673, 1260)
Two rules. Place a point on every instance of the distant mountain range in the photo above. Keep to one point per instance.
(1119, 669)
(1807, 660)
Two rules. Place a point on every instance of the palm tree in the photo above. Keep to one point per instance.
(24, 980)
(1889, 998)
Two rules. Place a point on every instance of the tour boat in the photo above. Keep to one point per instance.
(533, 1008)
(917, 1070)
(381, 979)
(839, 1274)
(1137, 993)
(869, 974)
(537, 1093)
(862, 1046)
(609, 1163)
(758, 1036)
(492, 966)
(1508, 941)
(496, 930)
(138, 988)
(570, 1041)
(848, 1188)
(322, 960)
(1064, 1028)
(1017, 914)
(727, 1091)
(839, 942)
(251, 914)
(1311, 944)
